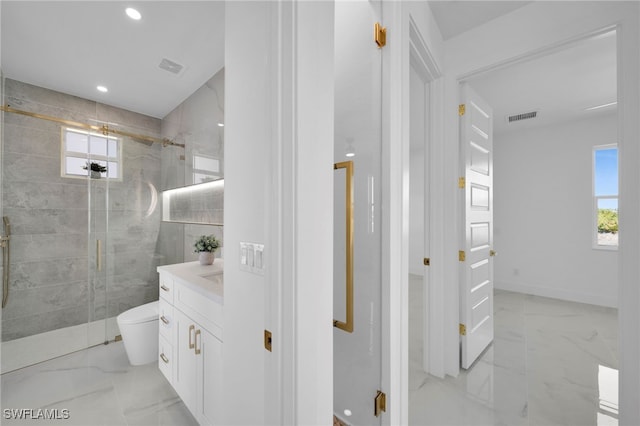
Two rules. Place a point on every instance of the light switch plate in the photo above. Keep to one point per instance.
(252, 258)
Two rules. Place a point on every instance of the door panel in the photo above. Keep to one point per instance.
(476, 271)
(358, 108)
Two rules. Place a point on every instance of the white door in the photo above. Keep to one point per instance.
(476, 256)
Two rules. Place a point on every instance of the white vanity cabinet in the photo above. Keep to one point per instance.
(191, 336)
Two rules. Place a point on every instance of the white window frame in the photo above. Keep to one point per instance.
(88, 156)
(596, 198)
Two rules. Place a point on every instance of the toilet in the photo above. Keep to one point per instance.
(139, 329)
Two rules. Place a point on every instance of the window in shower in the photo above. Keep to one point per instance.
(81, 148)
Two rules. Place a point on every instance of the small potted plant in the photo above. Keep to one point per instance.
(95, 169)
(206, 245)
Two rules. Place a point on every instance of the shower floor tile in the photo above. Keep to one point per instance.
(96, 386)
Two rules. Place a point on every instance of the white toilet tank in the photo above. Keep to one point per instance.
(139, 329)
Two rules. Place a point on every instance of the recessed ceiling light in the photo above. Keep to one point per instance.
(220, 124)
(133, 13)
(102, 89)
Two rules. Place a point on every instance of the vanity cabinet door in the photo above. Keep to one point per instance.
(185, 372)
(209, 378)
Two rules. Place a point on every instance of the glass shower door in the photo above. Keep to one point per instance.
(102, 169)
(357, 230)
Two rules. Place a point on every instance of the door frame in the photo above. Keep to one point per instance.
(433, 319)
(413, 24)
(570, 23)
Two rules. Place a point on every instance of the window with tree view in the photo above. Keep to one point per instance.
(605, 191)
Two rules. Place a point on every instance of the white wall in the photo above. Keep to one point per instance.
(246, 147)
(543, 213)
(278, 190)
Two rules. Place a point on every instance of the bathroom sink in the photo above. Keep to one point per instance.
(214, 276)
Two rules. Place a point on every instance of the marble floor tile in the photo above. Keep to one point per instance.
(98, 387)
(552, 362)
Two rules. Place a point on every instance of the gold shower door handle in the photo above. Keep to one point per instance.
(348, 166)
(191, 344)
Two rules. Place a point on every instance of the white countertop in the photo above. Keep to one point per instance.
(207, 280)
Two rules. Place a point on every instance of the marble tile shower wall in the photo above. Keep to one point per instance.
(195, 123)
(51, 253)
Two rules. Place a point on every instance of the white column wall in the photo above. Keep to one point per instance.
(279, 191)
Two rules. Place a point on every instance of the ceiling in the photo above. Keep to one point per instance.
(560, 86)
(455, 17)
(73, 46)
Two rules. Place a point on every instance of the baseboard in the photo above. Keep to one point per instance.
(557, 293)
(20, 353)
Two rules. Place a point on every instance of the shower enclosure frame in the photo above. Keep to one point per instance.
(97, 258)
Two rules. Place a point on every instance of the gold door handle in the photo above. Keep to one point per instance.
(164, 287)
(348, 324)
(164, 319)
(164, 358)
(198, 348)
(191, 344)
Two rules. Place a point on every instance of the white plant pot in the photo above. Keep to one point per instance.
(207, 257)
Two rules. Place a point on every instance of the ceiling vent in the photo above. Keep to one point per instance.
(172, 67)
(523, 116)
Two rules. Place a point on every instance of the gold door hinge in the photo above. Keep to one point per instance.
(462, 182)
(462, 256)
(492, 252)
(427, 261)
(463, 330)
(380, 34)
(379, 403)
(267, 340)
(461, 109)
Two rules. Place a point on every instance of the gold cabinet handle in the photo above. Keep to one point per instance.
(191, 344)
(164, 358)
(164, 319)
(164, 287)
(197, 350)
(348, 325)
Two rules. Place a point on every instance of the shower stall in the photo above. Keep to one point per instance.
(81, 191)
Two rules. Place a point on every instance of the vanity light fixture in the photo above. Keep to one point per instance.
(133, 13)
(102, 89)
